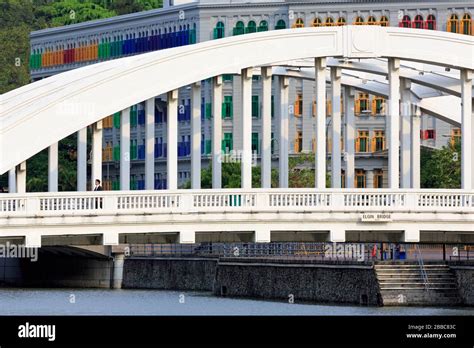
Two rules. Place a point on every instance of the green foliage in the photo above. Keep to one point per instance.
(441, 168)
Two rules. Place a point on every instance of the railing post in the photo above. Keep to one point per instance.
(411, 201)
(110, 203)
(186, 203)
(32, 206)
(262, 201)
(336, 200)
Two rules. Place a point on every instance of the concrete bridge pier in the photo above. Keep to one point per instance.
(117, 274)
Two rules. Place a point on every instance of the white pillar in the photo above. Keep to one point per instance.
(246, 102)
(405, 116)
(262, 235)
(217, 132)
(411, 235)
(467, 130)
(283, 142)
(82, 159)
(196, 136)
(393, 119)
(320, 153)
(266, 171)
(336, 128)
(125, 150)
(349, 95)
(53, 168)
(415, 149)
(21, 178)
(337, 235)
(150, 144)
(187, 237)
(96, 172)
(172, 141)
(119, 261)
(12, 181)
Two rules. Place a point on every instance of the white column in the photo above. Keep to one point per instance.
(405, 116)
(349, 95)
(150, 144)
(21, 178)
(415, 149)
(336, 128)
(96, 172)
(172, 141)
(196, 136)
(217, 133)
(266, 171)
(187, 237)
(262, 235)
(467, 130)
(393, 119)
(125, 150)
(12, 181)
(53, 168)
(283, 142)
(246, 102)
(320, 153)
(82, 159)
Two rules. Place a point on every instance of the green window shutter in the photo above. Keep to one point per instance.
(227, 77)
(208, 147)
(133, 116)
(117, 153)
(255, 106)
(227, 107)
(117, 120)
(272, 145)
(208, 110)
(273, 106)
(255, 147)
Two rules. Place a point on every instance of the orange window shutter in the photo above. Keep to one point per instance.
(358, 144)
(374, 107)
(357, 106)
(314, 109)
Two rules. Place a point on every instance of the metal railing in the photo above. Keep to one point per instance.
(421, 263)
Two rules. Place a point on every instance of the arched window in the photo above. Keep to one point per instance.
(453, 24)
(263, 26)
(219, 32)
(371, 20)
(430, 22)
(406, 22)
(359, 21)
(384, 22)
(251, 27)
(299, 23)
(466, 24)
(280, 24)
(317, 22)
(330, 22)
(341, 21)
(418, 23)
(239, 28)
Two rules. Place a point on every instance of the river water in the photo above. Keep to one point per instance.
(159, 302)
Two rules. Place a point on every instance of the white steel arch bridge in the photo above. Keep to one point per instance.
(37, 116)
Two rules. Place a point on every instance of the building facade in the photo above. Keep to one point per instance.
(185, 22)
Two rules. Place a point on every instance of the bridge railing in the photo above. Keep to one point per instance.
(235, 200)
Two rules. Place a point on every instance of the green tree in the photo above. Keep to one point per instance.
(441, 168)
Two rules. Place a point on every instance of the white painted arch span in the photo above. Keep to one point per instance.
(65, 103)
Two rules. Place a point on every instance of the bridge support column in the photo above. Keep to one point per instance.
(393, 119)
(411, 235)
(217, 133)
(150, 144)
(262, 235)
(119, 260)
(187, 237)
(266, 161)
(349, 94)
(96, 172)
(337, 235)
(110, 238)
(336, 128)
(172, 140)
(283, 143)
(405, 115)
(246, 162)
(33, 240)
(21, 178)
(196, 136)
(467, 130)
(12, 180)
(82, 159)
(320, 153)
(53, 168)
(415, 149)
(125, 150)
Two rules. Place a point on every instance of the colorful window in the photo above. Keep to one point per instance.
(280, 24)
(455, 136)
(330, 22)
(298, 106)
(359, 21)
(219, 30)
(255, 106)
(466, 24)
(251, 27)
(239, 28)
(317, 22)
(227, 143)
(453, 24)
(227, 108)
(255, 143)
(378, 141)
(362, 104)
(298, 147)
(378, 106)
(384, 22)
(299, 23)
(360, 178)
(372, 21)
(430, 22)
(418, 23)
(263, 26)
(406, 22)
(378, 178)
(341, 21)
(362, 141)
